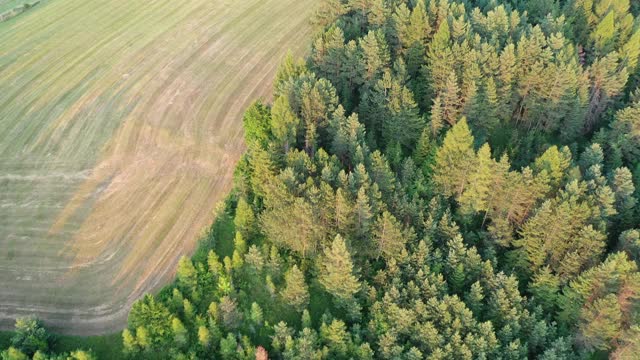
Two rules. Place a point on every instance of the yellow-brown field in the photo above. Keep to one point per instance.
(120, 124)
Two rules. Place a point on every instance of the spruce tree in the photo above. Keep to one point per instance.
(389, 237)
(455, 160)
(284, 123)
(295, 292)
(476, 197)
(337, 273)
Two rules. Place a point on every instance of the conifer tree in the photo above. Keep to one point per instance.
(440, 59)
(244, 219)
(329, 11)
(451, 101)
(204, 336)
(375, 54)
(626, 132)
(436, 121)
(284, 123)
(545, 287)
(295, 292)
(179, 332)
(555, 162)
(600, 299)
(455, 160)
(256, 314)
(362, 214)
(476, 197)
(129, 342)
(337, 273)
(389, 237)
(624, 189)
(257, 124)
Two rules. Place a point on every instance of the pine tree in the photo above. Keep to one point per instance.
(411, 27)
(284, 123)
(593, 155)
(629, 242)
(295, 292)
(244, 220)
(204, 336)
(129, 342)
(545, 287)
(440, 59)
(362, 213)
(256, 314)
(337, 274)
(451, 101)
(227, 308)
(187, 275)
(180, 334)
(436, 121)
(336, 337)
(306, 319)
(474, 299)
(404, 124)
(624, 189)
(343, 214)
(599, 301)
(389, 237)
(604, 34)
(555, 162)
(289, 69)
(424, 154)
(455, 160)
(601, 323)
(476, 197)
(625, 133)
(375, 54)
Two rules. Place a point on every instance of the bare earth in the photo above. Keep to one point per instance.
(120, 124)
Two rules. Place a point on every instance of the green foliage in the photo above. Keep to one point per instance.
(337, 273)
(295, 292)
(415, 192)
(455, 160)
(30, 336)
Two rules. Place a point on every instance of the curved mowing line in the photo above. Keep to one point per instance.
(190, 72)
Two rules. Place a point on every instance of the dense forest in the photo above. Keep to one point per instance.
(437, 180)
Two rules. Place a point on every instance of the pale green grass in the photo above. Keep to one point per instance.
(120, 124)
(10, 4)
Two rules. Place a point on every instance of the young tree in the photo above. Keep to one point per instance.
(129, 342)
(336, 272)
(180, 334)
(624, 189)
(187, 275)
(455, 160)
(477, 195)
(13, 354)
(204, 336)
(390, 237)
(257, 124)
(245, 219)
(295, 292)
(284, 123)
(30, 336)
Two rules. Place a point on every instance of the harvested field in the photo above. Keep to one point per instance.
(120, 124)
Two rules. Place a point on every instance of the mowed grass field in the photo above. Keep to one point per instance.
(120, 124)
